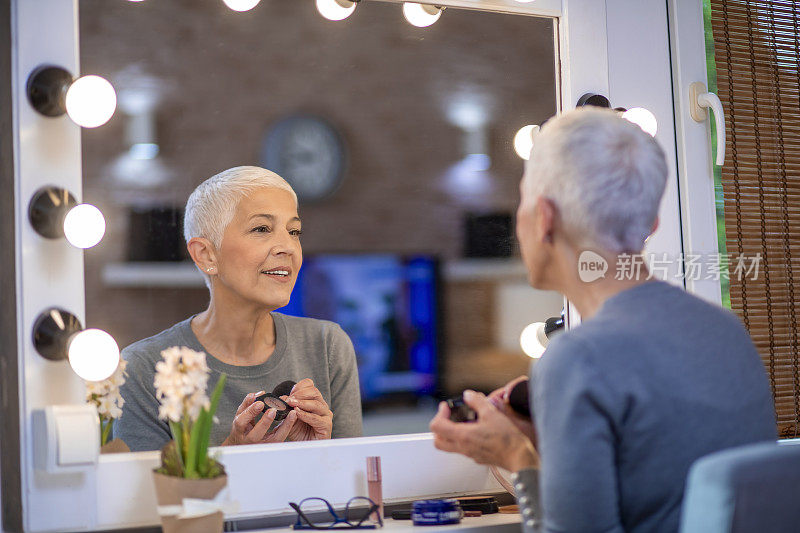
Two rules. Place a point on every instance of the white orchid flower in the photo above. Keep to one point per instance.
(180, 382)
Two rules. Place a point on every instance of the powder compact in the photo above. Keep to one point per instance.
(460, 411)
(274, 402)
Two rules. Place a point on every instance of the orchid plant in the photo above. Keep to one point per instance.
(181, 380)
(106, 397)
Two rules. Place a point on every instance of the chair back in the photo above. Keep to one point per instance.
(753, 488)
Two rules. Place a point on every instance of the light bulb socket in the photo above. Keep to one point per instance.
(431, 9)
(47, 90)
(53, 331)
(47, 210)
(346, 4)
(553, 324)
(596, 100)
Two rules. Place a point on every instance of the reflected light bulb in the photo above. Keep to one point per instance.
(241, 5)
(421, 15)
(523, 141)
(642, 118)
(93, 354)
(91, 101)
(84, 226)
(533, 340)
(335, 9)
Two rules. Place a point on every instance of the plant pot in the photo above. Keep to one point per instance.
(171, 490)
(115, 446)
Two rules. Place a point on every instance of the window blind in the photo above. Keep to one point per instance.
(757, 55)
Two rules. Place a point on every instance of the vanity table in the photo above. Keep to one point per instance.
(494, 523)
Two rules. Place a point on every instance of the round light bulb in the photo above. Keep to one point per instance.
(84, 226)
(241, 5)
(91, 101)
(642, 118)
(420, 15)
(523, 141)
(335, 9)
(93, 354)
(533, 340)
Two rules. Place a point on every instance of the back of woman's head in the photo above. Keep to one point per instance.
(605, 175)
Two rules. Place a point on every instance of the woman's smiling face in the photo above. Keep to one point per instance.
(260, 254)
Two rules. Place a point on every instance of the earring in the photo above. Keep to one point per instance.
(209, 269)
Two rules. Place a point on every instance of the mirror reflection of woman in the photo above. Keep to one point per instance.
(243, 232)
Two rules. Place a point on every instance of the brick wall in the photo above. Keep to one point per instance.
(225, 77)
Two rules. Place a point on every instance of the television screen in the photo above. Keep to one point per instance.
(388, 306)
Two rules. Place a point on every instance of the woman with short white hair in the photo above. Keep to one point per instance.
(651, 380)
(242, 231)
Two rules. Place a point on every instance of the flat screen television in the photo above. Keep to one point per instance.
(388, 305)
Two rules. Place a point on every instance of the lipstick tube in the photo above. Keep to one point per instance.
(375, 484)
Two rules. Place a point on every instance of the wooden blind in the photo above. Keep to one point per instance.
(757, 53)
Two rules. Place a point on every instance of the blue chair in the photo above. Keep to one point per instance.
(753, 488)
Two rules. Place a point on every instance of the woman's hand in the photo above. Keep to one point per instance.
(244, 429)
(492, 439)
(503, 392)
(499, 398)
(314, 418)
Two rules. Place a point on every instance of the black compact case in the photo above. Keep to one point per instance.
(272, 400)
(460, 411)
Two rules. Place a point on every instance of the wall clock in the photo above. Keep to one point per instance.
(308, 152)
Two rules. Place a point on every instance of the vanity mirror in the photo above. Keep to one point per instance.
(399, 141)
(554, 52)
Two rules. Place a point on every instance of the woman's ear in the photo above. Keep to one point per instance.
(545, 219)
(202, 252)
(655, 226)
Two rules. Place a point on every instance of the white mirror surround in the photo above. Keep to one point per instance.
(51, 274)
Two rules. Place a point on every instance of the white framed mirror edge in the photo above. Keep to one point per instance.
(51, 274)
(539, 8)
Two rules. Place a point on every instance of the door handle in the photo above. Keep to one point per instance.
(700, 100)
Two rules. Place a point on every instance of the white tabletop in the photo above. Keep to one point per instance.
(493, 523)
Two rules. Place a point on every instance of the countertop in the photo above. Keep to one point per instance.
(493, 523)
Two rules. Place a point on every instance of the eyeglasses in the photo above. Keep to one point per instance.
(357, 511)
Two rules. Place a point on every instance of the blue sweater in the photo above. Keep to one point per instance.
(624, 403)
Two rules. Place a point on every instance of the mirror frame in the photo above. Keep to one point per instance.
(592, 56)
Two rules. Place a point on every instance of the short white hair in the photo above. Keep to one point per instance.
(605, 175)
(211, 206)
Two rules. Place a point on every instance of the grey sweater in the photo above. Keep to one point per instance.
(624, 403)
(304, 348)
